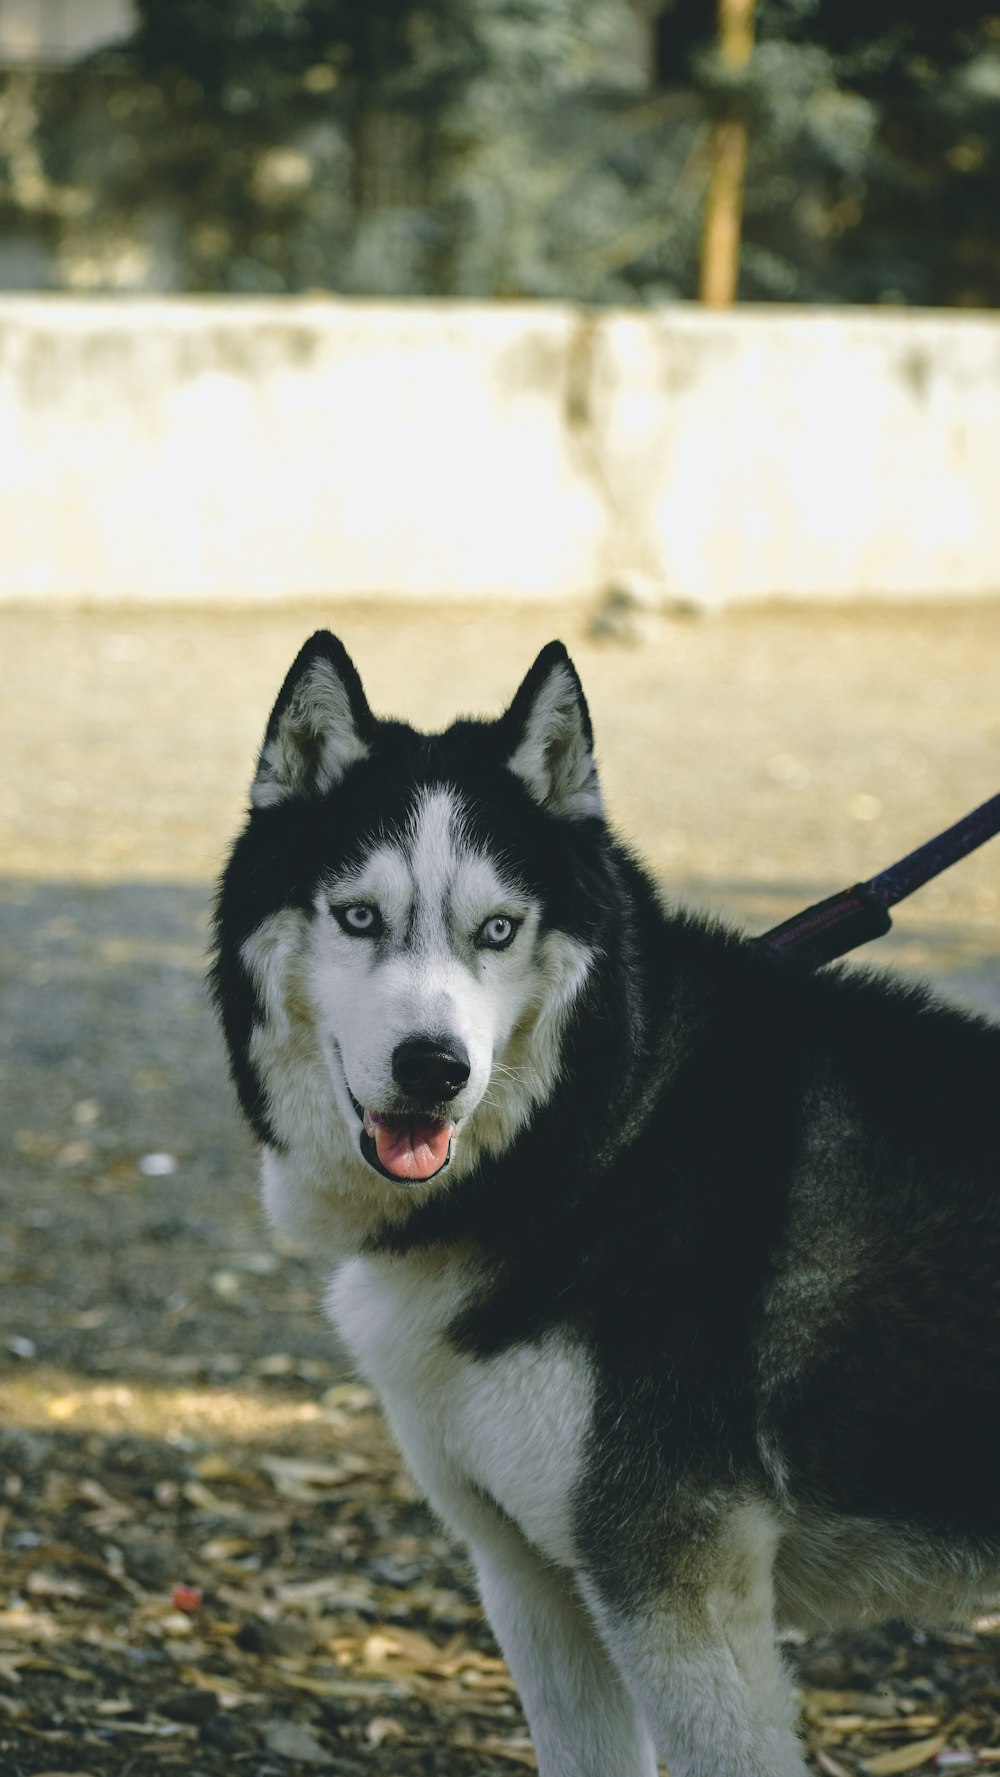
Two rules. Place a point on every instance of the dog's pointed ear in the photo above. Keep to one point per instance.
(548, 741)
(319, 727)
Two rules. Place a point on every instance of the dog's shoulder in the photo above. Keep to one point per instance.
(509, 1428)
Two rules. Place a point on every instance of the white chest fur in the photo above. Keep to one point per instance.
(511, 1427)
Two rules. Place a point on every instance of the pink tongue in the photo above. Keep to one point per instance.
(413, 1147)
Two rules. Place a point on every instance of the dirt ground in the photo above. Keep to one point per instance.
(211, 1559)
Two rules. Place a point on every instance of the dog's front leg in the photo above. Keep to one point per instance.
(582, 1719)
(697, 1650)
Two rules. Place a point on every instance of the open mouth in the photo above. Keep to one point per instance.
(407, 1148)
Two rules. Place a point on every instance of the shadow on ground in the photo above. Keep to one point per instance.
(131, 1226)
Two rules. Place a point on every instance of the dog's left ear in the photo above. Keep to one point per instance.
(320, 726)
(548, 741)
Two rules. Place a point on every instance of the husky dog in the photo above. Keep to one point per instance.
(676, 1266)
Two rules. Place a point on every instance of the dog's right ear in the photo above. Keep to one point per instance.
(319, 727)
(548, 741)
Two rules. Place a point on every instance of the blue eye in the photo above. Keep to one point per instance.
(358, 920)
(496, 932)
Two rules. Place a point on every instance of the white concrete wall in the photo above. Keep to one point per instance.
(242, 448)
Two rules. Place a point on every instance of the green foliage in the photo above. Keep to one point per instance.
(517, 148)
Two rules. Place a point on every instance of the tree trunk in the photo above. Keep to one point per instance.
(720, 244)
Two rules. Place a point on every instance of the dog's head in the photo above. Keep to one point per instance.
(406, 922)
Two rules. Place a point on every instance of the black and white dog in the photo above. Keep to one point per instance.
(677, 1267)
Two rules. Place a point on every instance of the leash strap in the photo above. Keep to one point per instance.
(830, 928)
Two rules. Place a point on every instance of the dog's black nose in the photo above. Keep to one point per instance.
(429, 1069)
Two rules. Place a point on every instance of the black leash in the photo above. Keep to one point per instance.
(831, 928)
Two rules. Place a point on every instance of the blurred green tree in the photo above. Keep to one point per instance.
(515, 148)
(722, 224)
(874, 167)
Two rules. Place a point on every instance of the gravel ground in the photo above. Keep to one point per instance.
(161, 1358)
